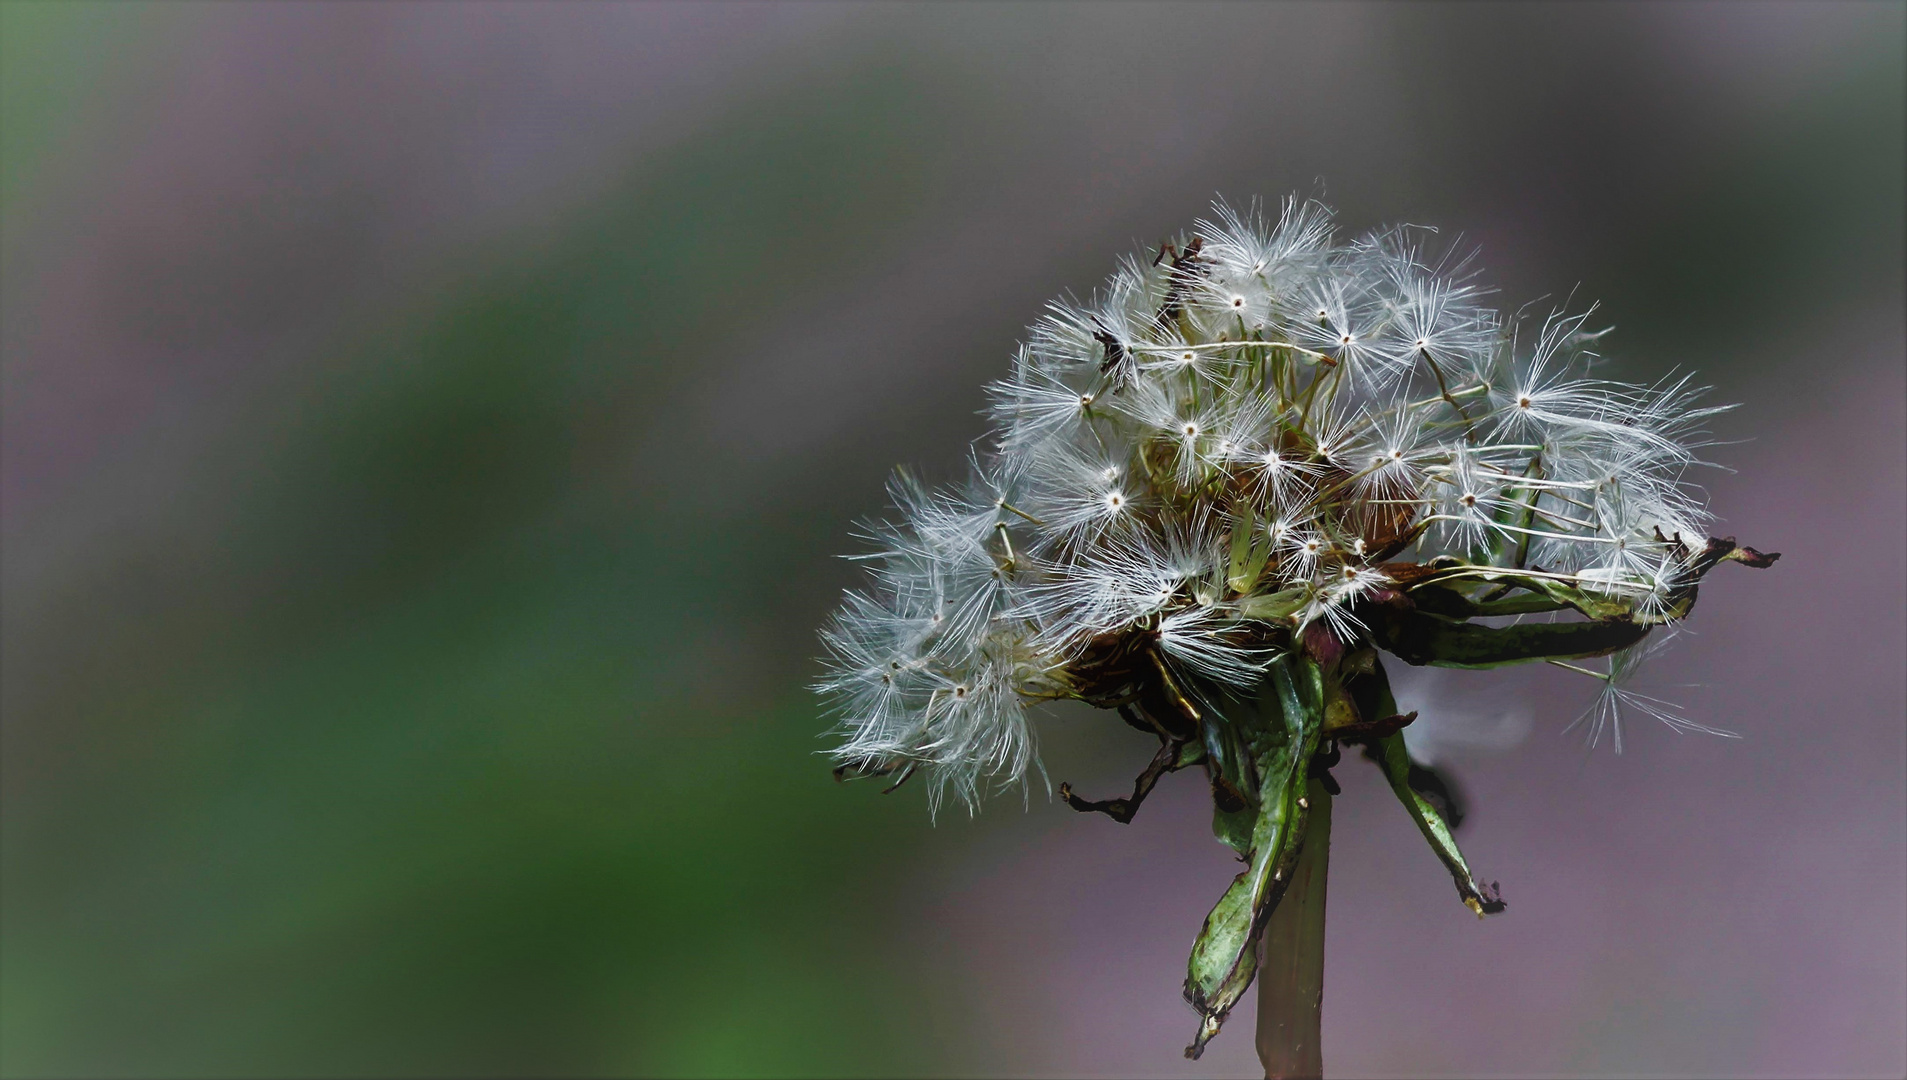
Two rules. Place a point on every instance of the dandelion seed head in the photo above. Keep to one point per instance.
(1261, 409)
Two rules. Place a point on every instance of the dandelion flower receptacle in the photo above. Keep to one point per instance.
(1216, 494)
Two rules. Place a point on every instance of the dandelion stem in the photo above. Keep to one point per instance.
(1291, 968)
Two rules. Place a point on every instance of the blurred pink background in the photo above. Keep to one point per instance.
(428, 431)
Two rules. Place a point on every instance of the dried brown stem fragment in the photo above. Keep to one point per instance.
(1123, 810)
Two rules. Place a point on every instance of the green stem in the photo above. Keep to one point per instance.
(1291, 971)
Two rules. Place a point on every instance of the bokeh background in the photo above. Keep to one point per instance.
(429, 429)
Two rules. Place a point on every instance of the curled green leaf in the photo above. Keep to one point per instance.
(1283, 733)
(1420, 638)
(1395, 761)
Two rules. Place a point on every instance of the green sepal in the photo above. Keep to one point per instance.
(1592, 604)
(1478, 897)
(1545, 594)
(1226, 757)
(1283, 736)
(1234, 828)
(1548, 592)
(1244, 567)
(1529, 604)
(1420, 638)
(1395, 760)
(1273, 607)
(1448, 602)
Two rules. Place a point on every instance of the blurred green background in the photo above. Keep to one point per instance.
(428, 430)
